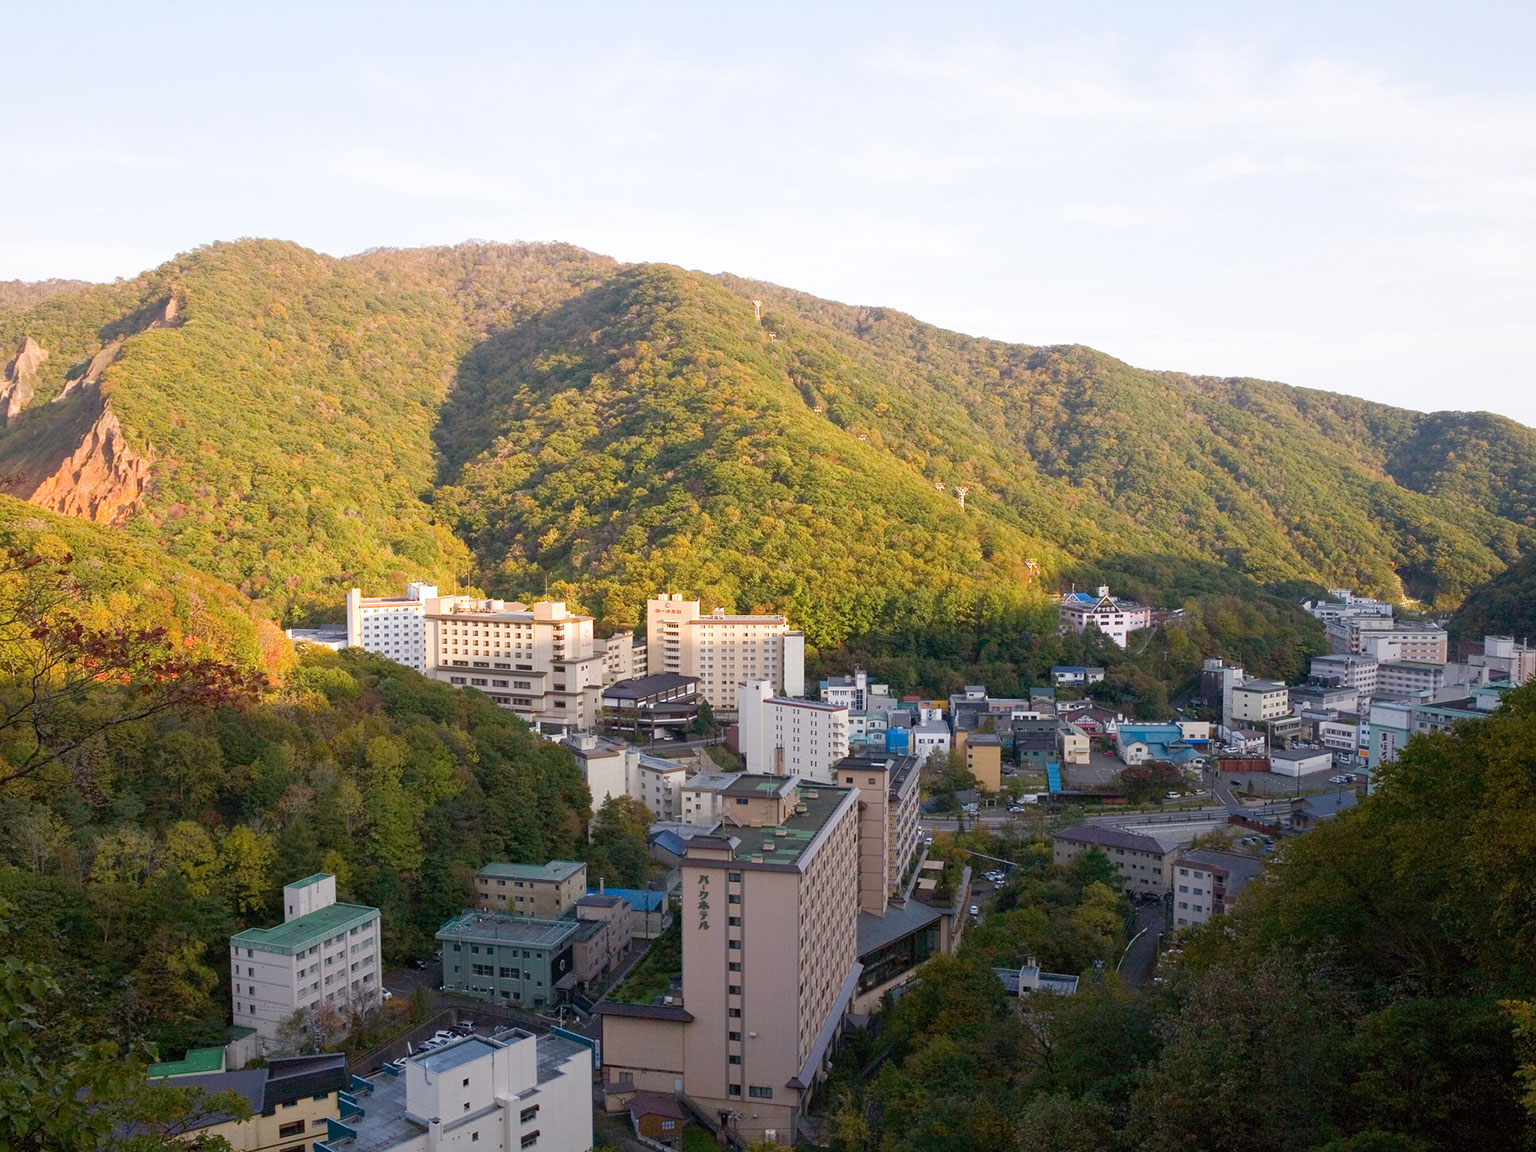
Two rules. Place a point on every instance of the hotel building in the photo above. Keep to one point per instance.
(723, 651)
(784, 737)
(769, 928)
(391, 626)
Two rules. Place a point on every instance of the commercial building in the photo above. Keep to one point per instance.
(984, 760)
(784, 737)
(317, 969)
(1365, 635)
(292, 1102)
(650, 912)
(1143, 862)
(543, 891)
(507, 959)
(391, 626)
(1347, 671)
(663, 705)
(769, 943)
(723, 650)
(539, 662)
(1506, 659)
(1410, 678)
(508, 1092)
(1114, 617)
(1206, 883)
(1300, 761)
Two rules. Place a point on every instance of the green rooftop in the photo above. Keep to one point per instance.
(306, 931)
(552, 873)
(308, 880)
(194, 1063)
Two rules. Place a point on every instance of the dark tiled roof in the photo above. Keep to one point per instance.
(1109, 838)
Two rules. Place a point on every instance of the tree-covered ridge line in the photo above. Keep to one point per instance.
(507, 415)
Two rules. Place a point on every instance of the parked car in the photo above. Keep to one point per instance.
(975, 910)
(1015, 807)
(419, 965)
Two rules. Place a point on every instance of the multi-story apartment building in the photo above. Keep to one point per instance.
(854, 691)
(1114, 617)
(769, 924)
(1348, 671)
(1206, 883)
(888, 823)
(984, 760)
(784, 737)
(1143, 862)
(702, 797)
(723, 650)
(1258, 701)
(502, 1093)
(543, 891)
(508, 959)
(391, 626)
(323, 958)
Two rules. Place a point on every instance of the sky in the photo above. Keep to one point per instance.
(1339, 196)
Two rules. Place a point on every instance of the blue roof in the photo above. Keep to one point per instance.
(670, 842)
(1053, 777)
(640, 899)
(1055, 668)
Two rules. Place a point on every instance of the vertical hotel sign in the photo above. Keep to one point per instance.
(703, 901)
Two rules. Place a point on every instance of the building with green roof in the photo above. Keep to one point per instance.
(316, 970)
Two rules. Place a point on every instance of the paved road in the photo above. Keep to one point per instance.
(1138, 956)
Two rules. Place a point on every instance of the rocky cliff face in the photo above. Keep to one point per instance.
(84, 467)
(19, 383)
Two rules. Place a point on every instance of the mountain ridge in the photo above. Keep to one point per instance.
(510, 414)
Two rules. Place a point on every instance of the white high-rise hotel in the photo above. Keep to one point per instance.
(391, 626)
(723, 651)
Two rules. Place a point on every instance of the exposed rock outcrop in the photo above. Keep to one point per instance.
(83, 467)
(19, 383)
(99, 364)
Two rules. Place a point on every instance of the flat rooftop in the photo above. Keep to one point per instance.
(307, 930)
(790, 839)
(499, 928)
(550, 873)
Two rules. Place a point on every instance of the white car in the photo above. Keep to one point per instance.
(975, 910)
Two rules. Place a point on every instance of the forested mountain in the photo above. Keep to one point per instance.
(502, 415)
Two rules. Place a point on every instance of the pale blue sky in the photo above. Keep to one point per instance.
(1339, 196)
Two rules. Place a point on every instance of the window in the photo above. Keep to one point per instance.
(733, 921)
(528, 1114)
(733, 989)
(466, 1081)
(733, 898)
(760, 1091)
(733, 877)
(668, 1125)
(733, 1089)
(530, 1139)
(474, 1137)
(734, 1035)
(292, 1129)
(734, 1013)
(733, 966)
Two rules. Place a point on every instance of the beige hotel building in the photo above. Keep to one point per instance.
(723, 651)
(769, 926)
